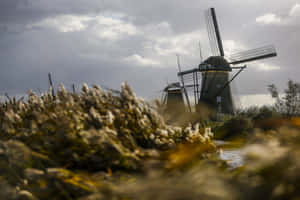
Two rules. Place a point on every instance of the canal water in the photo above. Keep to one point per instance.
(232, 155)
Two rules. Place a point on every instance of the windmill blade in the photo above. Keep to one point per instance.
(210, 30)
(253, 55)
(183, 85)
(214, 33)
(191, 83)
(188, 79)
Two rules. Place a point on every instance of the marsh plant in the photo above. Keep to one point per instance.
(98, 144)
(94, 130)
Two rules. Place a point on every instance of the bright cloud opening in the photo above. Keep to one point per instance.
(141, 61)
(184, 44)
(256, 100)
(104, 26)
(269, 18)
(231, 47)
(295, 11)
(265, 67)
(272, 19)
(65, 23)
(112, 28)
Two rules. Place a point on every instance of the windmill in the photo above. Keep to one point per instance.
(210, 81)
(173, 98)
(173, 95)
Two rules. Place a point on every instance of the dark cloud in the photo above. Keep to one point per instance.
(34, 40)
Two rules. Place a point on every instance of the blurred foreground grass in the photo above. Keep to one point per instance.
(99, 145)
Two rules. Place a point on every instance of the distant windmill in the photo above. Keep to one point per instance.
(210, 81)
(173, 95)
(173, 98)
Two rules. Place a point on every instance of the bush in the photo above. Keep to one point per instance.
(234, 127)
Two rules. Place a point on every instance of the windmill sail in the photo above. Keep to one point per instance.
(252, 55)
(214, 33)
(183, 85)
(192, 80)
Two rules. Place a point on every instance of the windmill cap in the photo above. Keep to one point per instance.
(218, 63)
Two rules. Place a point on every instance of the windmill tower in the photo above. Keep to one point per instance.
(173, 98)
(210, 81)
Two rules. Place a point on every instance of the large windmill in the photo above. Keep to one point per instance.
(210, 81)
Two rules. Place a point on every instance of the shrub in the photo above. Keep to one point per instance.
(235, 127)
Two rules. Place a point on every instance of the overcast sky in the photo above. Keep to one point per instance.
(107, 42)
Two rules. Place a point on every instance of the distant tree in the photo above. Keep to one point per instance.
(279, 104)
(250, 112)
(289, 104)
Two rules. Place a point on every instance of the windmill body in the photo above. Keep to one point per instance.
(210, 81)
(173, 98)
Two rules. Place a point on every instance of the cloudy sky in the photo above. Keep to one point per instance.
(107, 42)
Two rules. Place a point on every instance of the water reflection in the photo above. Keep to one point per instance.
(233, 156)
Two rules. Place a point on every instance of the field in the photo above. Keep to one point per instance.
(99, 144)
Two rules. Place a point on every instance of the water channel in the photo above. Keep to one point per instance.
(231, 154)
